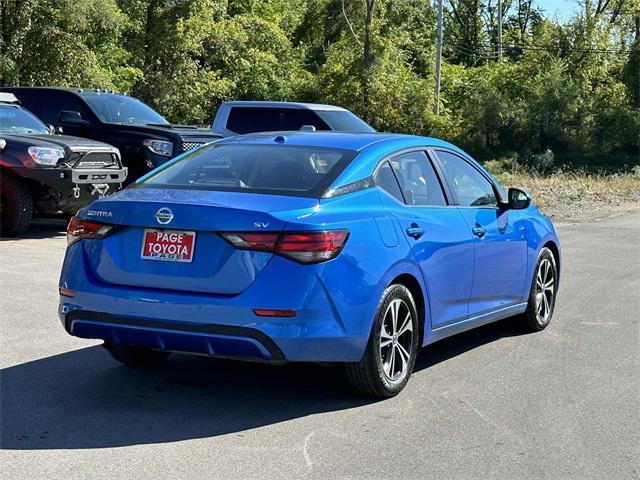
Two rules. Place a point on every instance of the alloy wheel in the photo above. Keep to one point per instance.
(545, 290)
(396, 340)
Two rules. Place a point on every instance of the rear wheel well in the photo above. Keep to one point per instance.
(412, 284)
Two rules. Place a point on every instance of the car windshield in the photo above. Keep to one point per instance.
(276, 169)
(14, 119)
(111, 108)
(344, 121)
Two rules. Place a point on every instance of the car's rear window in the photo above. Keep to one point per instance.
(275, 169)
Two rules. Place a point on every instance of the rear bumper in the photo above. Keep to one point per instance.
(332, 322)
(274, 342)
(208, 339)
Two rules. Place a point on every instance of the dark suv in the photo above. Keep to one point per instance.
(41, 172)
(145, 139)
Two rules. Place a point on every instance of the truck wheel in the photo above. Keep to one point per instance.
(16, 206)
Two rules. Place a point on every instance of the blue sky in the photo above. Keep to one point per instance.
(563, 8)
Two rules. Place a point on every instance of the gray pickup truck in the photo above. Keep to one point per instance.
(241, 117)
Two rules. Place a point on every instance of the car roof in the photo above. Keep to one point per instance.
(296, 105)
(339, 140)
(371, 147)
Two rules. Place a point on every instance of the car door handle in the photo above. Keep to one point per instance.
(415, 231)
(479, 231)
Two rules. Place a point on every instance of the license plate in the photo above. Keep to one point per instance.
(168, 245)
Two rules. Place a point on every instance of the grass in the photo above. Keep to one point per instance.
(570, 193)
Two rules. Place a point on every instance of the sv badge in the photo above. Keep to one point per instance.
(260, 224)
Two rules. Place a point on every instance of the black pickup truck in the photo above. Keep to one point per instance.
(145, 139)
(41, 172)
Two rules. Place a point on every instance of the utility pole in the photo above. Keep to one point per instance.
(499, 29)
(438, 58)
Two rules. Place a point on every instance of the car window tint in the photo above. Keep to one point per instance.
(471, 188)
(281, 169)
(386, 180)
(14, 119)
(55, 102)
(418, 180)
(113, 108)
(260, 119)
(294, 119)
(344, 121)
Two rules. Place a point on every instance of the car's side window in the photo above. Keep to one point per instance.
(57, 102)
(470, 187)
(386, 180)
(418, 180)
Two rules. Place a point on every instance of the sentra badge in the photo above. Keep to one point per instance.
(99, 213)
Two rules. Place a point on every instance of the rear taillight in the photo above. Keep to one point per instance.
(312, 247)
(79, 229)
(262, 242)
(304, 247)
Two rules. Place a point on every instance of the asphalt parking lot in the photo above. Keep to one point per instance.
(491, 403)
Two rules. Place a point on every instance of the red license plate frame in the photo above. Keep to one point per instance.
(168, 245)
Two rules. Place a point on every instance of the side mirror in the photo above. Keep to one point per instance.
(71, 117)
(3, 143)
(518, 199)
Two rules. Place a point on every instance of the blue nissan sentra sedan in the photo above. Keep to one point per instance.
(355, 249)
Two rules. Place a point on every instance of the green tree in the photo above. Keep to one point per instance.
(62, 42)
(572, 86)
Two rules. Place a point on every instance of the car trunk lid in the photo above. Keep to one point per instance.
(213, 265)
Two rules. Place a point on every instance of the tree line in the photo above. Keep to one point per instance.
(570, 85)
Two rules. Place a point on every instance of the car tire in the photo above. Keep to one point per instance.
(134, 356)
(377, 374)
(16, 206)
(542, 294)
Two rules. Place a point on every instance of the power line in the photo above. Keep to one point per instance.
(573, 49)
(549, 48)
(524, 46)
(467, 51)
